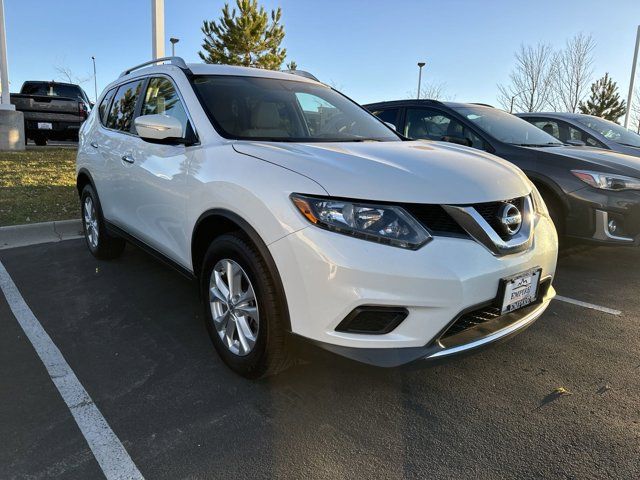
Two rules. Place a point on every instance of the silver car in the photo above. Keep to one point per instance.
(581, 129)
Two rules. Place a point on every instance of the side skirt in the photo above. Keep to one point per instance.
(119, 232)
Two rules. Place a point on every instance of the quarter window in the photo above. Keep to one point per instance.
(103, 109)
(124, 106)
(161, 98)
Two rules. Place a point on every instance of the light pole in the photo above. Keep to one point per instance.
(95, 80)
(513, 97)
(4, 64)
(632, 80)
(420, 65)
(157, 29)
(173, 41)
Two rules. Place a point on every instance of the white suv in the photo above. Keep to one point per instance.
(305, 217)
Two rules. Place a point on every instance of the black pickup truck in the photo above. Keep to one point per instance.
(52, 110)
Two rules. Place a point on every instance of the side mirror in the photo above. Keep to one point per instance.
(459, 140)
(391, 126)
(159, 128)
(576, 143)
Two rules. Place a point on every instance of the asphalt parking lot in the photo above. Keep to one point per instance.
(131, 330)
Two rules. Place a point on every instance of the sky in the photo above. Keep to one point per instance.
(366, 49)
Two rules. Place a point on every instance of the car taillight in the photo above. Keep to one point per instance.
(82, 111)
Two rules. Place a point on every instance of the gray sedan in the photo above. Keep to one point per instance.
(580, 129)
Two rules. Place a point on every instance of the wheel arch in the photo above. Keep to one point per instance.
(83, 179)
(215, 222)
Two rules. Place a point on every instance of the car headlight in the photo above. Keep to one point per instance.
(607, 181)
(538, 203)
(385, 224)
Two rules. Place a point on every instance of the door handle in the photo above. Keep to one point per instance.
(94, 145)
(128, 158)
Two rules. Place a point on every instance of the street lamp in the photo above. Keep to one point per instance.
(173, 41)
(513, 97)
(420, 65)
(95, 79)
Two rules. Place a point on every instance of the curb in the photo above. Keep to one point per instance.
(32, 234)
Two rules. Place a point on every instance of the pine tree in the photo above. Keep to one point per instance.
(604, 100)
(244, 37)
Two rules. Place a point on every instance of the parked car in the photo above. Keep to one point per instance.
(580, 129)
(52, 110)
(592, 194)
(303, 217)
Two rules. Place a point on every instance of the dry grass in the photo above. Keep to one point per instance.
(38, 186)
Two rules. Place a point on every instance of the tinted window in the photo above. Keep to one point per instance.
(161, 98)
(103, 109)
(285, 110)
(390, 115)
(505, 127)
(124, 106)
(549, 126)
(54, 90)
(610, 130)
(435, 125)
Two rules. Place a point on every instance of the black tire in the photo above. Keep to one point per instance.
(40, 141)
(106, 246)
(269, 354)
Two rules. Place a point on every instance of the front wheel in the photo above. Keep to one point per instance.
(242, 311)
(100, 243)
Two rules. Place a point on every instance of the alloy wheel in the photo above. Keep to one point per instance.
(91, 222)
(234, 307)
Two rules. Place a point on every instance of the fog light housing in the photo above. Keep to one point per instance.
(373, 320)
(613, 226)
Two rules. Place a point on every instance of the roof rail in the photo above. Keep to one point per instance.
(482, 104)
(302, 73)
(177, 61)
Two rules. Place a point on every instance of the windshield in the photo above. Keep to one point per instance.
(610, 130)
(253, 108)
(54, 90)
(505, 127)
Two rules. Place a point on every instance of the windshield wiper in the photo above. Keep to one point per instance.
(629, 145)
(550, 144)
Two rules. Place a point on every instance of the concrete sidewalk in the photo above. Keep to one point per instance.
(35, 233)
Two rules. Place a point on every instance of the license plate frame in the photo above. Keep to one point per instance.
(45, 126)
(520, 290)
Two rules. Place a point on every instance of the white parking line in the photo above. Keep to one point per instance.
(111, 455)
(592, 306)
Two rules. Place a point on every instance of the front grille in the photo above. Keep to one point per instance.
(472, 319)
(489, 211)
(439, 222)
(435, 219)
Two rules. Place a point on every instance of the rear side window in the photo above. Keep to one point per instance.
(103, 109)
(161, 98)
(124, 106)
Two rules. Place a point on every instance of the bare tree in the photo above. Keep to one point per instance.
(572, 73)
(635, 111)
(531, 80)
(66, 74)
(433, 91)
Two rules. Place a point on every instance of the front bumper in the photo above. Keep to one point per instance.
(591, 209)
(327, 275)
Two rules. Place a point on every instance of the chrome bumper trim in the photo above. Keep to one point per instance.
(503, 333)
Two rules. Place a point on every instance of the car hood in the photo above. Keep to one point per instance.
(595, 158)
(412, 171)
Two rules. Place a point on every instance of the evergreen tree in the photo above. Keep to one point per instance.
(604, 100)
(244, 37)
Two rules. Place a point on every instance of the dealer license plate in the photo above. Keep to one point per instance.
(520, 290)
(45, 126)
